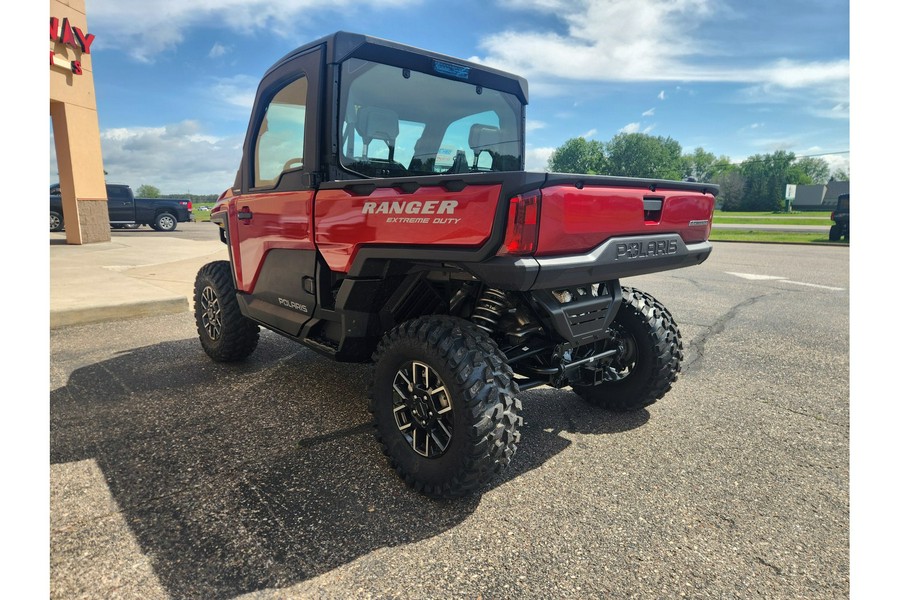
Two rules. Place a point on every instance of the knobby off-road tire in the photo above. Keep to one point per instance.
(225, 334)
(650, 360)
(444, 405)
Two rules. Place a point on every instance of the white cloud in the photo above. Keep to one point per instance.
(534, 125)
(649, 112)
(649, 128)
(147, 28)
(631, 128)
(536, 158)
(218, 50)
(589, 133)
(238, 91)
(176, 158)
(837, 162)
(599, 44)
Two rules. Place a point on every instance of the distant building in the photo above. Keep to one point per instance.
(833, 190)
(819, 197)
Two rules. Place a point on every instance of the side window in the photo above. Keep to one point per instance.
(116, 192)
(279, 143)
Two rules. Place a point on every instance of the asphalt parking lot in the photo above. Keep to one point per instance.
(175, 477)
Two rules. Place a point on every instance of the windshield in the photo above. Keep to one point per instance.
(397, 122)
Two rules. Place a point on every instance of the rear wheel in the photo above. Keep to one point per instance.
(648, 361)
(834, 234)
(165, 222)
(444, 405)
(225, 334)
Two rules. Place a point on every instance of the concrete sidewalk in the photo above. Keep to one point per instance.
(137, 273)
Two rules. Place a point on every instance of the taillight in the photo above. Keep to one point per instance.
(523, 224)
(190, 205)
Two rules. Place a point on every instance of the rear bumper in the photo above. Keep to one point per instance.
(615, 258)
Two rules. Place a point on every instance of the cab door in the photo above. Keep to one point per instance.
(271, 220)
(120, 203)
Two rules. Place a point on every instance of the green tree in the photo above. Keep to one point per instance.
(765, 177)
(816, 169)
(641, 155)
(147, 191)
(578, 155)
(704, 166)
(731, 189)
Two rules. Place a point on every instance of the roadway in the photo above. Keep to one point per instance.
(175, 477)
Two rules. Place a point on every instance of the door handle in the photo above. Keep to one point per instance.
(245, 214)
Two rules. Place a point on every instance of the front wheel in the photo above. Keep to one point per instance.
(444, 405)
(165, 222)
(225, 334)
(649, 356)
(56, 221)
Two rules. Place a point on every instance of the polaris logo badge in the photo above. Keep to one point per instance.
(291, 304)
(634, 250)
(410, 207)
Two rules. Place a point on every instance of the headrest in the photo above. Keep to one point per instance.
(483, 136)
(374, 123)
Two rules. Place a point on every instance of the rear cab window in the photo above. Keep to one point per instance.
(396, 121)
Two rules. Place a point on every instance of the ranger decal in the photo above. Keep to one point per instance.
(410, 207)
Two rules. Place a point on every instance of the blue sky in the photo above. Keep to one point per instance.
(175, 79)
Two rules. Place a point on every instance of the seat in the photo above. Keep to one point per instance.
(373, 123)
(484, 138)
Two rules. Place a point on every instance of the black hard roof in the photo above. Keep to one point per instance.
(342, 45)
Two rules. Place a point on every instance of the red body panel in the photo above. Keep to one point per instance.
(430, 215)
(576, 220)
(280, 220)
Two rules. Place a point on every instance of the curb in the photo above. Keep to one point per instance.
(98, 314)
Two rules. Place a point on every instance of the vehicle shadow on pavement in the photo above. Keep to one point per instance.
(235, 478)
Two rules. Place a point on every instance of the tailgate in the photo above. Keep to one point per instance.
(578, 217)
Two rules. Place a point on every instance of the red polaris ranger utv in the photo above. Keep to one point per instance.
(382, 213)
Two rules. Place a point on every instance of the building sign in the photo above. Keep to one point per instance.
(61, 32)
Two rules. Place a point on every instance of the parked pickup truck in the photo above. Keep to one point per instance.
(382, 213)
(162, 214)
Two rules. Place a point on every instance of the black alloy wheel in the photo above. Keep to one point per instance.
(211, 313)
(423, 409)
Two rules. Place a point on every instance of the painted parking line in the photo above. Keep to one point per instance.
(756, 277)
(815, 285)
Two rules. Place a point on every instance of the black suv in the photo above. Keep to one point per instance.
(841, 218)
